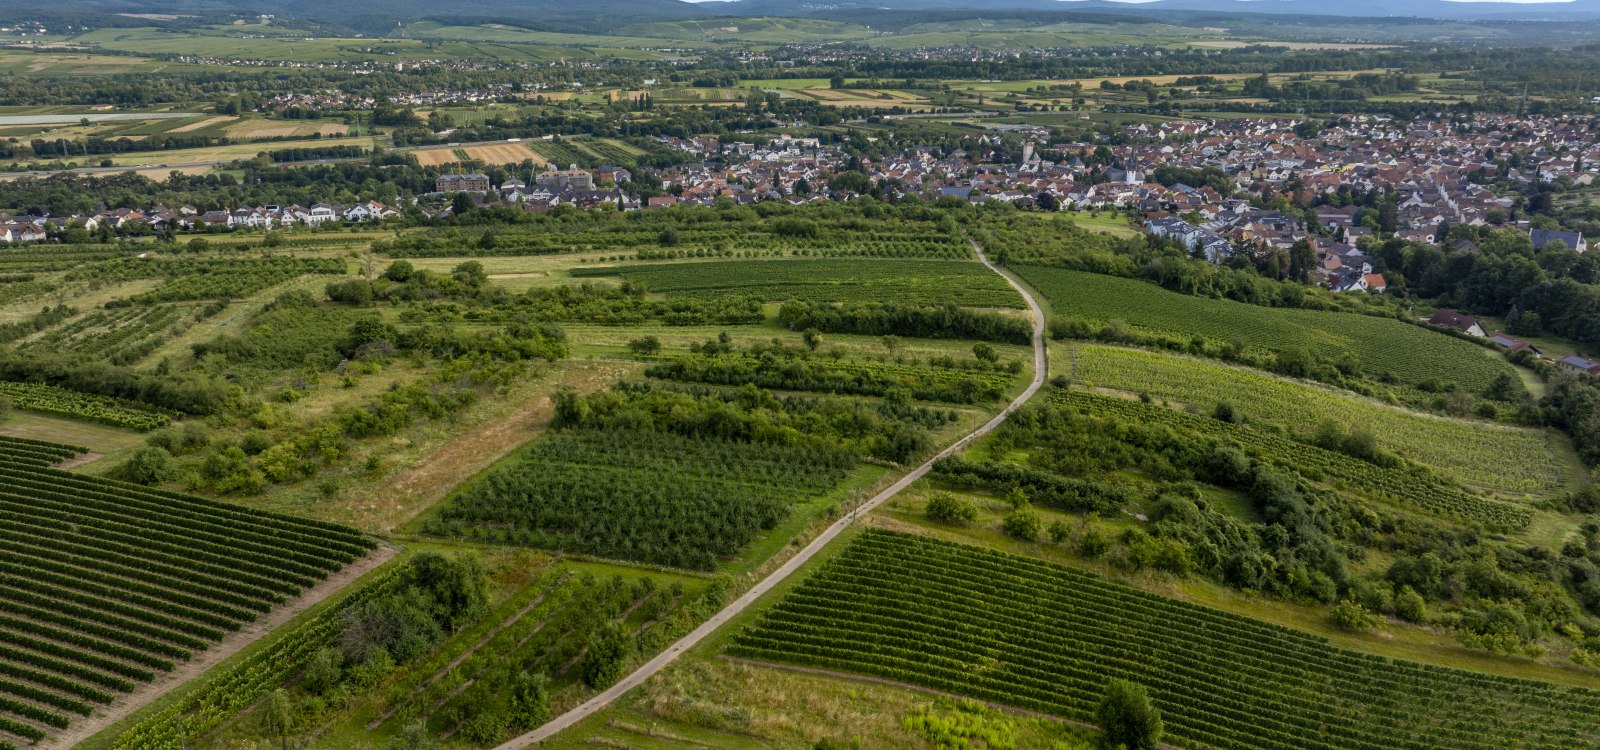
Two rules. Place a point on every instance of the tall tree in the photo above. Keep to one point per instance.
(277, 717)
(1128, 718)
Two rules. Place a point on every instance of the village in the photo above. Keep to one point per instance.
(1268, 186)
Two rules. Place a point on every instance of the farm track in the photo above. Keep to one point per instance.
(738, 606)
(235, 642)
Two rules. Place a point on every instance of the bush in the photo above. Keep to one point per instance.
(1023, 524)
(947, 508)
(1350, 615)
(1409, 605)
(148, 466)
(645, 346)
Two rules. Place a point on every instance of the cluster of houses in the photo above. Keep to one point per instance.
(189, 218)
(1458, 321)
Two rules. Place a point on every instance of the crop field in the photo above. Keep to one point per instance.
(121, 335)
(1043, 637)
(505, 153)
(840, 376)
(655, 498)
(642, 239)
(561, 153)
(1409, 353)
(106, 585)
(1395, 486)
(209, 279)
(257, 128)
(49, 399)
(544, 630)
(218, 153)
(925, 282)
(433, 157)
(1476, 453)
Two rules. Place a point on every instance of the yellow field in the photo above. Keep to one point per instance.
(492, 153)
(202, 124)
(505, 153)
(142, 159)
(433, 157)
(161, 173)
(284, 128)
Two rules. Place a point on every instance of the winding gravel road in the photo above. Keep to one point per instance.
(739, 605)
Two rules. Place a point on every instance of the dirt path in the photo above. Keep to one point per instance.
(232, 644)
(920, 689)
(661, 660)
(406, 494)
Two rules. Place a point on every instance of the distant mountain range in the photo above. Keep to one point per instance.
(602, 14)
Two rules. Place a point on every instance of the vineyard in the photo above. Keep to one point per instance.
(208, 279)
(1043, 637)
(657, 498)
(122, 335)
(89, 407)
(546, 630)
(692, 234)
(1393, 485)
(839, 376)
(105, 585)
(907, 282)
(1476, 453)
(1381, 346)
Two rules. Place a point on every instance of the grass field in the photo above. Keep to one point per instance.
(1409, 353)
(1474, 453)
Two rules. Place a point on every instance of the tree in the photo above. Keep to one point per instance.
(812, 337)
(985, 353)
(947, 508)
(836, 82)
(602, 662)
(645, 346)
(1128, 718)
(1022, 524)
(1504, 387)
(277, 717)
(461, 204)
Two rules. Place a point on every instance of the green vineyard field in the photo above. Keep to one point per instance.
(1409, 353)
(1038, 636)
(104, 585)
(1393, 485)
(656, 498)
(910, 282)
(1475, 453)
(86, 406)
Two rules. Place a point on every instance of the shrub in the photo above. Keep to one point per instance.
(1023, 524)
(947, 508)
(1350, 615)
